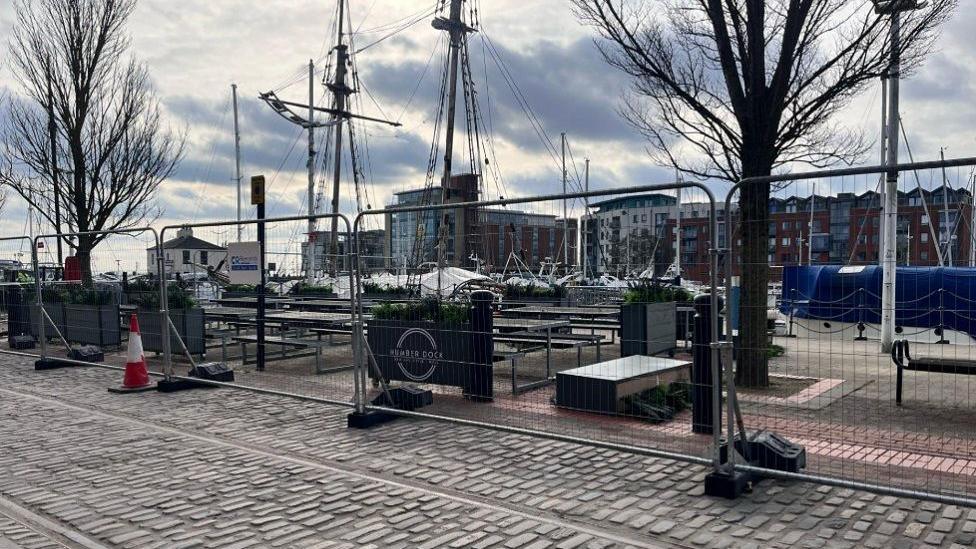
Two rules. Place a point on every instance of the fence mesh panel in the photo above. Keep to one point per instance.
(595, 357)
(831, 387)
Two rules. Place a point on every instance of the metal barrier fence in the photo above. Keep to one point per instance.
(534, 361)
(829, 386)
(308, 348)
(561, 366)
(76, 316)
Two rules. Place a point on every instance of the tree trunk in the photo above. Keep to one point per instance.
(83, 254)
(753, 365)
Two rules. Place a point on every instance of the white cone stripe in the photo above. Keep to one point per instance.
(135, 353)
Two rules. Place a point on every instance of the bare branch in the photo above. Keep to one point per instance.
(111, 148)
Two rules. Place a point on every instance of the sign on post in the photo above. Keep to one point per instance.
(245, 262)
(257, 190)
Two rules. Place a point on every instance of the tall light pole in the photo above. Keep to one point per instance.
(894, 9)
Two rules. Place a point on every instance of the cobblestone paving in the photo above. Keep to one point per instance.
(14, 534)
(228, 468)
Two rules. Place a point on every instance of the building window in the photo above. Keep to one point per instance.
(204, 258)
(186, 256)
(643, 218)
(925, 219)
(875, 221)
(786, 242)
(924, 237)
(635, 218)
(924, 255)
(786, 225)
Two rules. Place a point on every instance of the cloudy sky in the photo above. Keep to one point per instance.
(195, 50)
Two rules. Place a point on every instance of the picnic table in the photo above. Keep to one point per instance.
(533, 311)
(532, 325)
(229, 313)
(271, 302)
(320, 305)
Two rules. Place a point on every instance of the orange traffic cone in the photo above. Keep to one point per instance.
(136, 377)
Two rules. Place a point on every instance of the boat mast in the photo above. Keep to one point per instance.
(456, 29)
(310, 165)
(565, 216)
(340, 91)
(586, 212)
(237, 161)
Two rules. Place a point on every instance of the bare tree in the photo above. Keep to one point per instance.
(101, 161)
(729, 89)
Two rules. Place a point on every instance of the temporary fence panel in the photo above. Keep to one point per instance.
(86, 302)
(830, 386)
(212, 301)
(480, 304)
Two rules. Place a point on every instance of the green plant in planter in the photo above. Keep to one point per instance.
(376, 289)
(76, 295)
(661, 403)
(649, 291)
(176, 298)
(240, 288)
(515, 291)
(427, 309)
(311, 289)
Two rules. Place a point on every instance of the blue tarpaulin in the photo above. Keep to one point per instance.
(925, 297)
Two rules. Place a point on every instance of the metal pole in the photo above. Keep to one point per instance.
(908, 251)
(677, 238)
(55, 180)
(945, 211)
(813, 200)
(565, 214)
(972, 221)
(586, 212)
(891, 193)
(237, 161)
(261, 289)
(340, 91)
(310, 246)
(884, 158)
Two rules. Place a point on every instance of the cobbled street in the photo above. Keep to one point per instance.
(80, 467)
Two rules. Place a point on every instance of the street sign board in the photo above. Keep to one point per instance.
(257, 189)
(245, 263)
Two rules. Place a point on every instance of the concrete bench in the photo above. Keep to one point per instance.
(901, 356)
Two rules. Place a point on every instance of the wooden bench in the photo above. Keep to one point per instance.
(285, 343)
(901, 356)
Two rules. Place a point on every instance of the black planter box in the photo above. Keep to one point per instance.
(428, 352)
(647, 328)
(84, 324)
(189, 325)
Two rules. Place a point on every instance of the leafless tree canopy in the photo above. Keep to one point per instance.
(112, 148)
(730, 89)
(733, 78)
